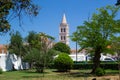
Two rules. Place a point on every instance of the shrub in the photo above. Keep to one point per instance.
(100, 72)
(63, 62)
(82, 66)
(1, 71)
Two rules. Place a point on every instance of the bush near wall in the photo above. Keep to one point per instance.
(89, 65)
(63, 62)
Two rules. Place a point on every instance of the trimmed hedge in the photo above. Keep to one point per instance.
(104, 65)
(89, 65)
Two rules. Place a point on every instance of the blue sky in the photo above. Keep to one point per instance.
(50, 15)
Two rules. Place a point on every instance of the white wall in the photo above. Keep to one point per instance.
(80, 57)
(10, 61)
(3, 62)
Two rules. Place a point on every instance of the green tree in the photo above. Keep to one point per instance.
(33, 45)
(33, 40)
(39, 58)
(46, 42)
(96, 33)
(41, 55)
(16, 44)
(115, 46)
(10, 9)
(62, 47)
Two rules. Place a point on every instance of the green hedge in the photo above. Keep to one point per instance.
(113, 66)
(82, 66)
(89, 65)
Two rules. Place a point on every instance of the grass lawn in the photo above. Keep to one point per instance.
(53, 75)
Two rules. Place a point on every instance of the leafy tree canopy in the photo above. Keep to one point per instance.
(33, 40)
(10, 9)
(62, 47)
(96, 33)
(39, 52)
(16, 44)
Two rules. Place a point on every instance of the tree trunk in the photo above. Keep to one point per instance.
(96, 60)
(30, 65)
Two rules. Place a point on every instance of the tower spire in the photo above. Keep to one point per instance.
(64, 19)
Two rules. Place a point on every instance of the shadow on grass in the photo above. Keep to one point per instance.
(33, 71)
(33, 74)
(29, 71)
(74, 74)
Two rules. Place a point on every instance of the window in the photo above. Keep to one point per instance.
(61, 29)
(64, 38)
(61, 37)
(64, 30)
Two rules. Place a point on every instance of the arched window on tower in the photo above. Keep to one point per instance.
(64, 38)
(64, 30)
(61, 30)
(61, 37)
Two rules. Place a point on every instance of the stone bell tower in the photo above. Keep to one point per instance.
(64, 31)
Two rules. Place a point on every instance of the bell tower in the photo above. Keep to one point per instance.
(64, 31)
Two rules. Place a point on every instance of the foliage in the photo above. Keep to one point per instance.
(115, 46)
(45, 41)
(104, 65)
(16, 44)
(96, 33)
(33, 40)
(63, 62)
(62, 47)
(10, 9)
(1, 71)
(39, 58)
(39, 52)
(36, 57)
(50, 55)
(100, 72)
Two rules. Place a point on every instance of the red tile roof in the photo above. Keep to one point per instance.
(3, 49)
